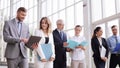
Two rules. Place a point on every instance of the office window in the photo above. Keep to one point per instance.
(109, 7)
(118, 5)
(69, 2)
(43, 9)
(62, 15)
(55, 6)
(26, 4)
(49, 7)
(79, 14)
(70, 17)
(30, 3)
(55, 18)
(96, 10)
(61, 4)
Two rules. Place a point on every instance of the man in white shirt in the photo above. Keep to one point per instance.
(78, 54)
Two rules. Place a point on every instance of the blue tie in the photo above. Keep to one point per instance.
(116, 39)
(19, 28)
(61, 35)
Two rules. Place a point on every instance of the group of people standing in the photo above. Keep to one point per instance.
(98, 42)
(16, 34)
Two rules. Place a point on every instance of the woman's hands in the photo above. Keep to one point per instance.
(43, 60)
(52, 59)
(104, 58)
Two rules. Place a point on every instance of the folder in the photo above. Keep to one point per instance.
(102, 52)
(117, 48)
(73, 44)
(32, 40)
(47, 50)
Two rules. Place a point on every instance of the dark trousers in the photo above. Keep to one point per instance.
(114, 60)
(99, 63)
(59, 64)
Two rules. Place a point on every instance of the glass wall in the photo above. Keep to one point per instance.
(70, 11)
(105, 13)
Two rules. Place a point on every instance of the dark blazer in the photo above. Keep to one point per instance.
(95, 47)
(60, 51)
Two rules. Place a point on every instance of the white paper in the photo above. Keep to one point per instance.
(102, 52)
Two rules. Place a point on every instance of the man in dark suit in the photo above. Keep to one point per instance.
(60, 41)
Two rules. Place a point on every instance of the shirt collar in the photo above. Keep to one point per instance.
(59, 30)
(16, 20)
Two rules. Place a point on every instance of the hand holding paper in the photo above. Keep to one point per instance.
(32, 40)
(73, 44)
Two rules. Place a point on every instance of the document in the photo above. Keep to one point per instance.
(102, 52)
(32, 40)
(47, 50)
(117, 48)
(73, 44)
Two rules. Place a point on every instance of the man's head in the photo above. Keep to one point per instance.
(21, 13)
(78, 29)
(114, 29)
(60, 24)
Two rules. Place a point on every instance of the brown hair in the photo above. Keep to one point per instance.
(113, 26)
(95, 31)
(21, 9)
(48, 22)
(78, 26)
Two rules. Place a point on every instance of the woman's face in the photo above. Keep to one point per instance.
(99, 33)
(44, 25)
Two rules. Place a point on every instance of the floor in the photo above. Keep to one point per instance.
(3, 67)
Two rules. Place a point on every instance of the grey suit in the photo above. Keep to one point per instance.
(15, 53)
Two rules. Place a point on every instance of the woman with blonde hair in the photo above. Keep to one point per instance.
(46, 38)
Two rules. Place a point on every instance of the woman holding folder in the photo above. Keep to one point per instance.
(99, 48)
(46, 40)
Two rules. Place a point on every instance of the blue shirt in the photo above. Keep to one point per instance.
(111, 41)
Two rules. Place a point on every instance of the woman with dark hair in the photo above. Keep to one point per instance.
(99, 48)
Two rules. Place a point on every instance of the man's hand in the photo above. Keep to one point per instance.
(65, 44)
(81, 47)
(24, 40)
(69, 49)
(35, 45)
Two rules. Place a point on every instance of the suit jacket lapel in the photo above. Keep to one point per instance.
(97, 41)
(15, 25)
(58, 34)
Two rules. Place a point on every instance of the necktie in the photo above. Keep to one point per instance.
(116, 39)
(61, 35)
(19, 28)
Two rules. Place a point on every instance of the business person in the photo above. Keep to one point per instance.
(78, 54)
(16, 34)
(97, 44)
(46, 35)
(112, 41)
(60, 41)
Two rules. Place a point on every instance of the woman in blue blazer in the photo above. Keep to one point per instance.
(98, 43)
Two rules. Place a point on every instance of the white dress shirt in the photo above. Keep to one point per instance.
(78, 53)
